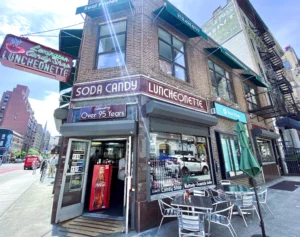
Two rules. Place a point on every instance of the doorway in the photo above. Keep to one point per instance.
(110, 154)
(90, 180)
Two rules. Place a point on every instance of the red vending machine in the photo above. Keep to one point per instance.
(100, 191)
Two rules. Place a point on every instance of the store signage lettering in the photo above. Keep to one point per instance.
(230, 113)
(97, 6)
(105, 88)
(150, 87)
(170, 94)
(23, 54)
(103, 112)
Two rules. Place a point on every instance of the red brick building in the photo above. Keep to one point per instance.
(150, 86)
(16, 114)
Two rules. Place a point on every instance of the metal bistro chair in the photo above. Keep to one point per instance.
(166, 209)
(191, 225)
(218, 197)
(246, 204)
(262, 198)
(222, 219)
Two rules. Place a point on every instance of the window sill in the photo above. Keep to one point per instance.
(174, 78)
(108, 69)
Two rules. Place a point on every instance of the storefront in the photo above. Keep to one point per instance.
(227, 142)
(265, 146)
(161, 131)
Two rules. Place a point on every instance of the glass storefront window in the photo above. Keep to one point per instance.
(231, 154)
(265, 150)
(178, 162)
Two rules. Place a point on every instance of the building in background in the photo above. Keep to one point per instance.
(38, 138)
(45, 144)
(10, 141)
(16, 114)
(238, 27)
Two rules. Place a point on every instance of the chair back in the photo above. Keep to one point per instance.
(193, 223)
(225, 182)
(221, 214)
(247, 200)
(201, 193)
(163, 205)
(263, 195)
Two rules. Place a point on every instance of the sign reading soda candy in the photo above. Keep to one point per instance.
(23, 54)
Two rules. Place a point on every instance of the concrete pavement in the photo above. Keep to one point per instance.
(284, 204)
(29, 215)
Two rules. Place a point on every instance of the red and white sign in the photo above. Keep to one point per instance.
(23, 54)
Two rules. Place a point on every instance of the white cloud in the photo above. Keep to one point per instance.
(44, 109)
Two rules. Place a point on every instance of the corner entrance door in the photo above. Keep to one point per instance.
(127, 185)
(73, 187)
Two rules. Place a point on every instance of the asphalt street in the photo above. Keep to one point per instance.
(25, 203)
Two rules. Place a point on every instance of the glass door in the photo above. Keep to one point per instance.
(73, 187)
(127, 188)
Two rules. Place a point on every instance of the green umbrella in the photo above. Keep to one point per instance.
(248, 163)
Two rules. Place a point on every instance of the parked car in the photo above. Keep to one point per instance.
(28, 161)
(172, 166)
(188, 164)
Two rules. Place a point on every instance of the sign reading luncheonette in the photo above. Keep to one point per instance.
(129, 86)
(23, 54)
(103, 112)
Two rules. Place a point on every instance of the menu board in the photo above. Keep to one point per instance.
(77, 161)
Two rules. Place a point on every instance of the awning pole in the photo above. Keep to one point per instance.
(214, 51)
(159, 13)
(82, 16)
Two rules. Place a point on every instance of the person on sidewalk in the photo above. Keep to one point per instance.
(34, 166)
(44, 165)
(52, 163)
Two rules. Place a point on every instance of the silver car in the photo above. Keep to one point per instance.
(188, 164)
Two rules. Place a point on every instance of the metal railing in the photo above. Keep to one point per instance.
(292, 160)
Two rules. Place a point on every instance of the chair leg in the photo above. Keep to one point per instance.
(256, 212)
(263, 207)
(270, 210)
(162, 219)
(235, 235)
(208, 228)
(230, 231)
(243, 216)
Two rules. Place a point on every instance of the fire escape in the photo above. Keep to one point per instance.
(280, 95)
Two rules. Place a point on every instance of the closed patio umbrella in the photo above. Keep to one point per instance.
(249, 164)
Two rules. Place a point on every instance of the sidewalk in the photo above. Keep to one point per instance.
(30, 215)
(285, 206)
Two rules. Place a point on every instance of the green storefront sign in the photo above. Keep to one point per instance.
(112, 5)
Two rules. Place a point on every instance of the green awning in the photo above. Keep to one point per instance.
(228, 58)
(69, 41)
(255, 79)
(96, 9)
(178, 20)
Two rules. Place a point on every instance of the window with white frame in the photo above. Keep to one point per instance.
(171, 55)
(112, 45)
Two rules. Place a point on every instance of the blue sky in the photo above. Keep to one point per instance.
(21, 17)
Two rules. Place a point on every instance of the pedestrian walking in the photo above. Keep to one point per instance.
(34, 166)
(43, 172)
(52, 163)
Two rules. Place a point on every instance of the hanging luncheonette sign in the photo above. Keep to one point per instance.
(23, 54)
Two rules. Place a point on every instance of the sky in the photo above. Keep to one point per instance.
(21, 17)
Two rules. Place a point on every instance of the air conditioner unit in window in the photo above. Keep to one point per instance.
(213, 111)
